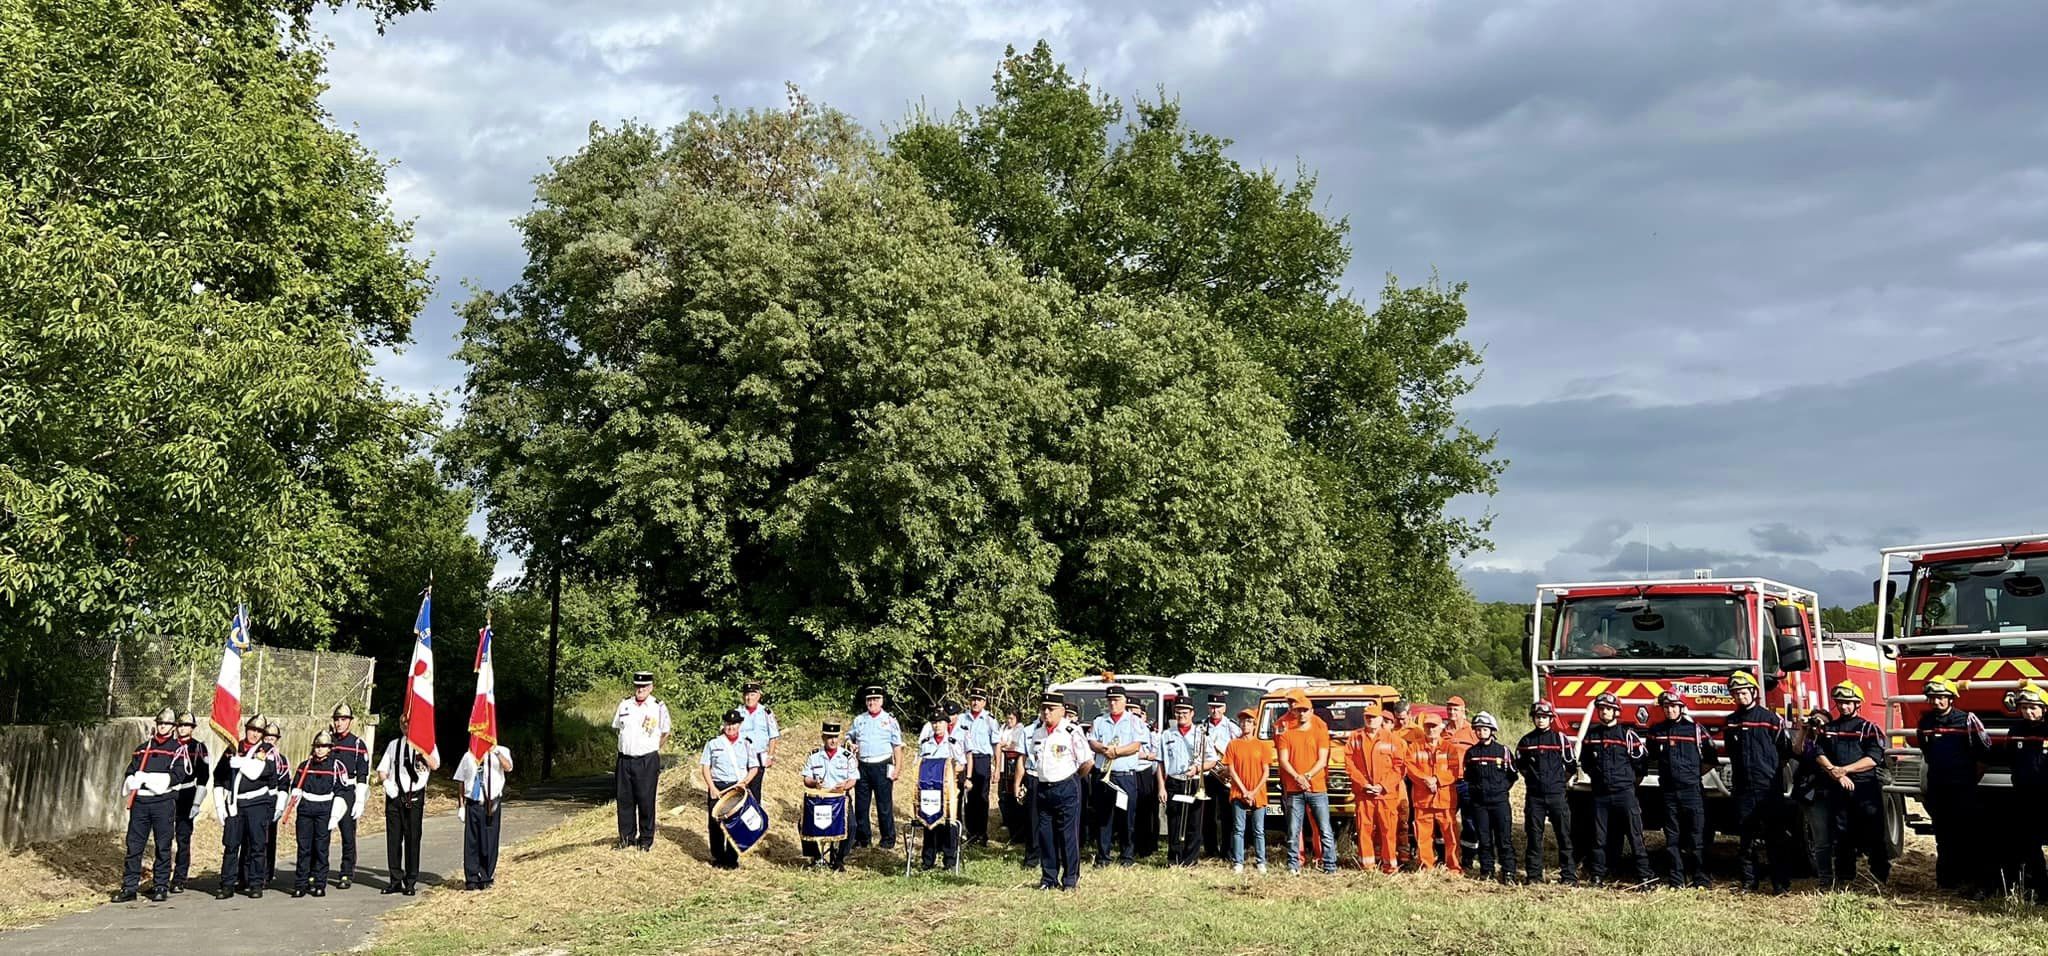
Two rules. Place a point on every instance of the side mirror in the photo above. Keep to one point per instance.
(1787, 618)
(1771, 682)
(1793, 654)
(1528, 638)
(1884, 594)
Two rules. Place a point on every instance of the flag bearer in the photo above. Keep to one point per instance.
(1954, 748)
(763, 733)
(941, 742)
(1061, 753)
(1489, 779)
(2028, 740)
(356, 754)
(246, 784)
(1544, 756)
(1849, 751)
(1612, 754)
(978, 734)
(876, 739)
(404, 772)
(833, 769)
(727, 763)
(482, 783)
(155, 770)
(317, 797)
(643, 726)
(1758, 744)
(191, 800)
(1682, 752)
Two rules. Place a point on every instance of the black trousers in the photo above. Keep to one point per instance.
(270, 852)
(877, 789)
(2024, 860)
(1685, 833)
(1618, 815)
(636, 780)
(1763, 819)
(1554, 807)
(181, 836)
(1145, 821)
(313, 843)
(1957, 813)
(933, 840)
(150, 817)
(1027, 820)
(1184, 823)
(723, 853)
(979, 768)
(1857, 818)
(1011, 808)
(346, 807)
(1493, 823)
(1059, 833)
(1117, 828)
(402, 821)
(480, 823)
(245, 845)
(1217, 830)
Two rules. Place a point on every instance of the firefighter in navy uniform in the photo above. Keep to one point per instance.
(1758, 744)
(1851, 750)
(1612, 755)
(319, 789)
(273, 734)
(1954, 747)
(155, 771)
(353, 752)
(246, 783)
(1682, 752)
(1544, 756)
(191, 801)
(1489, 779)
(2028, 740)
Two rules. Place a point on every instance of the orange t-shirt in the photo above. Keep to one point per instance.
(1250, 758)
(1302, 746)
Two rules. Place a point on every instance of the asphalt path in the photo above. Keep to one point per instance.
(341, 920)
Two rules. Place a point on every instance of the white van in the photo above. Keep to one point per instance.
(1151, 696)
(1240, 691)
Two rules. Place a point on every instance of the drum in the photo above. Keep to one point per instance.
(825, 816)
(743, 819)
(935, 794)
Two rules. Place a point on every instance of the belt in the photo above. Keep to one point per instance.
(888, 759)
(638, 756)
(315, 797)
(263, 794)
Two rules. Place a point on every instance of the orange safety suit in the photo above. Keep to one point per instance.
(1404, 836)
(1436, 813)
(1377, 759)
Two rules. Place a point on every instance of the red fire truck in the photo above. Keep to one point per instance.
(1975, 612)
(1638, 639)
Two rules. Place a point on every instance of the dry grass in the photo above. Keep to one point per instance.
(567, 891)
(46, 880)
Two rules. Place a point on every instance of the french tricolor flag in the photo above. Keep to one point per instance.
(227, 688)
(483, 712)
(419, 691)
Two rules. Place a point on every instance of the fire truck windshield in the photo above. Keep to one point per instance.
(1977, 596)
(1708, 626)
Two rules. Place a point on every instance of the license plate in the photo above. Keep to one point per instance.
(1708, 689)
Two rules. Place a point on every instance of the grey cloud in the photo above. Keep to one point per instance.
(1600, 536)
(1778, 537)
(1637, 556)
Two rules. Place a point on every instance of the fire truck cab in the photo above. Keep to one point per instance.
(1638, 639)
(1975, 612)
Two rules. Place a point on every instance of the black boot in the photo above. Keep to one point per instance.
(391, 888)
(159, 894)
(225, 892)
(125, 896)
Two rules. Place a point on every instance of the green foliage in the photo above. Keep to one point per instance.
(197, 268)
(756, 370)
(1859, 619)
(1159, 213)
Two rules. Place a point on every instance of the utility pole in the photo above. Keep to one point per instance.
(547, 747)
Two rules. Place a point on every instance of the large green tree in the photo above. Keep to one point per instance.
(197, 266)
(1156, 211)
(754, 368)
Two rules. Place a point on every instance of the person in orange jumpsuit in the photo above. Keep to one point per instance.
(1434, 765)
(1407, 733)
(1377, 760)
(1458, 730)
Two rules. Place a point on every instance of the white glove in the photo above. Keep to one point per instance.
(198, 803)
(362, 797)
(251, 766)
(333, 821)
(458, 812)
(277, 814)
(222, 803)
(133, 782)
(390, 788)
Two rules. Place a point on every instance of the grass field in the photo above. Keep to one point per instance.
(568, 892)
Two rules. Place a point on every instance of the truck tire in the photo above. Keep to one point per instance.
(1894, 825)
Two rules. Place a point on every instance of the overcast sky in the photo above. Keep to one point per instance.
(1762, 286)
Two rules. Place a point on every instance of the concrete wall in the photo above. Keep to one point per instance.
(57, 782)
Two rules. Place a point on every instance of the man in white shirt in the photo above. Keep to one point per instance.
(482, 783)
(1060, 754)
(643, 726)
(404, 772)
(728, 763)
(757, 724)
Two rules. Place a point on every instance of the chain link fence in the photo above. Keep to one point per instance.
(275, 680)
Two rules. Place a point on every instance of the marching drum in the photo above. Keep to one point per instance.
(744, 820)
(825, 816)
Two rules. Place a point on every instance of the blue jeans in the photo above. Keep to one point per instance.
(1248, 818)
(1320, 803)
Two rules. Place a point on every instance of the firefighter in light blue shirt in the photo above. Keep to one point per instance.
(728, 762)
(833, 769)
(1118, 737)
(876, 738)
(757, 724)
(978, 731)
(1183, 757)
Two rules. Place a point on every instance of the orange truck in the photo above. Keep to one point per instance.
(1975, 612)
(1638, 639)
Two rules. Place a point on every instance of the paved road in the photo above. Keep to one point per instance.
(277, 923)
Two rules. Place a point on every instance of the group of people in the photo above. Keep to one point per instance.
(254, 789)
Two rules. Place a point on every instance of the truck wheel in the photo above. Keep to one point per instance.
(1895, 825)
